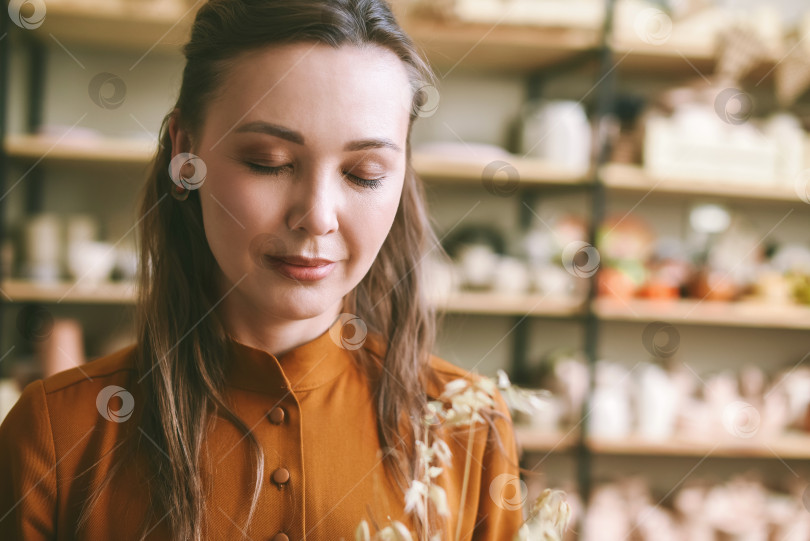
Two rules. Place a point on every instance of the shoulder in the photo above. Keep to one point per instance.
(50, 426)
(81, 391)
(67, 402)
(116, 366)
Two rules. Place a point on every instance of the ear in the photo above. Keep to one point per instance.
(181, 139)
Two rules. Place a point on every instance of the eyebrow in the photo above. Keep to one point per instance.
(259, 126)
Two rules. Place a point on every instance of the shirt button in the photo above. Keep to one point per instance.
(281, 537)
(281, 476)
(276, 416)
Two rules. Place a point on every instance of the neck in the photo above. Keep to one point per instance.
(254, 326)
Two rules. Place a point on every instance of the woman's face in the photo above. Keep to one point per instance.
(304, 147)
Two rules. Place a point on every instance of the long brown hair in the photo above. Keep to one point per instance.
(181, 344)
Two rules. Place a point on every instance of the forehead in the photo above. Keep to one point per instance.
(315, 87)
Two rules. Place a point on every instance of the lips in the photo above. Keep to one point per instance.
(299, 268)
(302, 261)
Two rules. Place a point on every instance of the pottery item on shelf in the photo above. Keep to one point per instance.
(90, 263)
(714, 286)
(791, 257)
(476, 249)
(557, 131)
(696, 420)
(570, 228)
(539, 243)
(752, 383)
(786, 130)
(510, 276)
(796, 383)
(611, 413)
(625, 243)
(732, 417)
(732, 261)
(553, 281)
(773, 287)
(625, 237)
(442, 277)
(43, 241)
(667, 271)
(572, 374)
(606, 516)
(737, 509)
(477, 263)
(656, 402)
(544, 244)
(613, 283)
(63, 348)
(775, 417)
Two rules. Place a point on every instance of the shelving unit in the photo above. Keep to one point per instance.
(494, 49)
(604, 59)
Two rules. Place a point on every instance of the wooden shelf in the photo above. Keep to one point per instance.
(137, 26)
(489, 303)
(678, 57)
(785, 447)
(88, 151)
(531, 171)
(635, 178)
(532, 440)
(710, 313)
(497, 47)
(105, 293)
(790, 446)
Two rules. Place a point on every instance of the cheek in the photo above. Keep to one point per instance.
(229, 215)
(369, 227)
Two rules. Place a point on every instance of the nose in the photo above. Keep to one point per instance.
(313, 202)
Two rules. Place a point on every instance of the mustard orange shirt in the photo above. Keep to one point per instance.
(310, 409)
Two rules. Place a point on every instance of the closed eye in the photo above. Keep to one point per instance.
(267, 169)
(372, 183)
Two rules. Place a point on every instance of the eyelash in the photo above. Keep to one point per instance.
(372, 183)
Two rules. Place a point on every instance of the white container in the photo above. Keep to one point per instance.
(511, 276)
(559, 132)
(91, 262)
(43, 248)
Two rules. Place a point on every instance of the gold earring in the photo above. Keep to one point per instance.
(179, 192)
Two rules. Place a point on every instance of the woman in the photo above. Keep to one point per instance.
(283, 366)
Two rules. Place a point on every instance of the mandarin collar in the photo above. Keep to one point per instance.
(302, 368)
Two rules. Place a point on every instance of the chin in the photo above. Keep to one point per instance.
(297, 303)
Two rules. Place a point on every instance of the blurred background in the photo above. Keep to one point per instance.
(623, 189)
